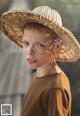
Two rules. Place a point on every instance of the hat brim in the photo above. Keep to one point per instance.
(12, 23)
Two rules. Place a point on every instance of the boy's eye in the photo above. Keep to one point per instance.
(25, 43)
(40, 45)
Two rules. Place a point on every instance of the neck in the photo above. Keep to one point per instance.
(48, 69)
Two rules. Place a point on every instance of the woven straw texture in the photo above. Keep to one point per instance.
(12, 24)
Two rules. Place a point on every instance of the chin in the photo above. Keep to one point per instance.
(35, 66)
(32, 67)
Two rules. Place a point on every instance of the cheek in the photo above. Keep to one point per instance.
(41, 57)
(39, 54)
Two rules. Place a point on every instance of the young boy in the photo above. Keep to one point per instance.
(44, 41)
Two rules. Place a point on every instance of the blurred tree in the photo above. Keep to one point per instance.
(4, 5)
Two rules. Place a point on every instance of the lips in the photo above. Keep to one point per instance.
(31, 61)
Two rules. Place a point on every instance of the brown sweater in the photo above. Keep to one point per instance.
(48, 96)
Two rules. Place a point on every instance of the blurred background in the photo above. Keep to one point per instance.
(15, 76)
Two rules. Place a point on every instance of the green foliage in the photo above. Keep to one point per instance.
(69, 10)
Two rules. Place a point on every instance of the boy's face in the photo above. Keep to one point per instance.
(34, 48)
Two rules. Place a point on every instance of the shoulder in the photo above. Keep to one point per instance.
(64, 80)
(60, 84)
(58, 80)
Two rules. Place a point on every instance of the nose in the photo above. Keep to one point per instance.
(30, 51)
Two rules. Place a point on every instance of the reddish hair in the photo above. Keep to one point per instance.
(41, 28)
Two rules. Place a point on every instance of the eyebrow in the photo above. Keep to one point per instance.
(34, 41)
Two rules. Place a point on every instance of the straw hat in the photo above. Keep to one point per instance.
(12, 23)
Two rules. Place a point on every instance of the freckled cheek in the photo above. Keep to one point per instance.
(40, 55)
